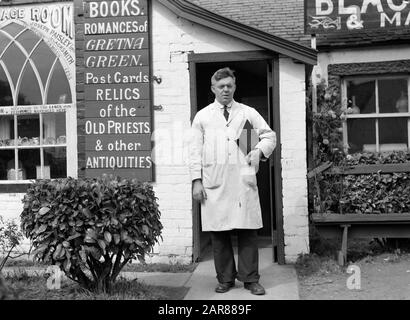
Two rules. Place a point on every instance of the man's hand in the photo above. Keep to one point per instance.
(198, 191)
(254, 157)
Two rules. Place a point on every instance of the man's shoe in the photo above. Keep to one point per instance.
(255, 288)
(224, 287)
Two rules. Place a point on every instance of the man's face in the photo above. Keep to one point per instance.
(224, 90)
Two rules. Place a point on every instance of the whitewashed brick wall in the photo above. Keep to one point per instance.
(294, 166)
(11, 205)
(11, 208)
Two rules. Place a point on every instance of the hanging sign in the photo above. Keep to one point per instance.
(327, 16)
(118, 117)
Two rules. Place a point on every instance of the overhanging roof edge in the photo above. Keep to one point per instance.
(252, 35)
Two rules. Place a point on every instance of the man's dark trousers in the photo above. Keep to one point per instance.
(248, 256)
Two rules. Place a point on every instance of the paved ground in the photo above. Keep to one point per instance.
(280, 282)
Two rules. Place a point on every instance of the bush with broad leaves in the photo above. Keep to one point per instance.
(91, 228)
(10, 239)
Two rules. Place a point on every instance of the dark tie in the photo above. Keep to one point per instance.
(226, 113)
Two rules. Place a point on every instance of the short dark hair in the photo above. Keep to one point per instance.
(222, 74)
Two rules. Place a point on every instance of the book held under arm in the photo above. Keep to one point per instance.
(246, 142)
(248, 138)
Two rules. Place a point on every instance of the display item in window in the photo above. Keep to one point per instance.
(46, 172)
(23, 141)
(353, 109)
(11, 171)
(62, 98)
(61, 140)
(50, 140)
(402, 104)
(34, 141)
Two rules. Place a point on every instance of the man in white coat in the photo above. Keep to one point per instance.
(224, 181)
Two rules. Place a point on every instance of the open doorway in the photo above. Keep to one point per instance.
(252, 77)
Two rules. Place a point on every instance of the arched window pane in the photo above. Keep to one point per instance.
(4, 41)
(13, 29)
(29, 93)
(59, 90)
(28, 39)
(43, 58)
(14, 60)
(6, 98)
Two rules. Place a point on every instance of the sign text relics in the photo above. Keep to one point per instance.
(118, 123)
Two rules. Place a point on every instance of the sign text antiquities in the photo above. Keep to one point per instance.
(118, 123)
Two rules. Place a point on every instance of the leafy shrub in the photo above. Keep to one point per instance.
(10, 238)
(327, 139)
(377, 192)
(327, 124)
(367, 193)
(377, 158)
(91, 228)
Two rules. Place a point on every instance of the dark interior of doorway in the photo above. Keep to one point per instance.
(252, 90)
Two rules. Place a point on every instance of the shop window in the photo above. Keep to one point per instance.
(34, 93)
(378, 118)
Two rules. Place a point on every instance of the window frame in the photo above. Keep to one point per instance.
(377, 115)
(15, 110)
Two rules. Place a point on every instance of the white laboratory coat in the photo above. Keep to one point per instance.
(230, 183)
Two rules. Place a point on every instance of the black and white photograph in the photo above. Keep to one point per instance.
(203, 157)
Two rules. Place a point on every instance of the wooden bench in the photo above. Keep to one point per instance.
(345, 226)
(357, 225)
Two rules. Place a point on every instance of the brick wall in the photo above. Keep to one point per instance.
(11, 205)
(10, 208)
(294, 166)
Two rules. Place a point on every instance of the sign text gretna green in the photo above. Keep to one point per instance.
(118, 122)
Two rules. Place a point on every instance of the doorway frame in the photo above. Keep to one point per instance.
(274, 96)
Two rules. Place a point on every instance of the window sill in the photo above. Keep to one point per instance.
(14, 186)
(378, 115)
(16, 181)
(33, 146)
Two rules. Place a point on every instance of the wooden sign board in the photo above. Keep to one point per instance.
(117, 88)
(329, 16)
